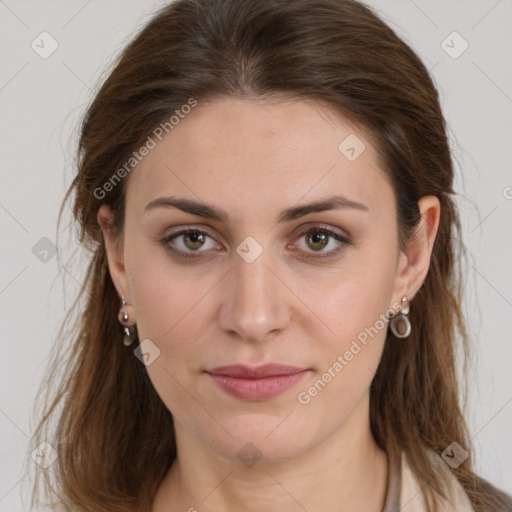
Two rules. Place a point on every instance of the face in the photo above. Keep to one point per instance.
(269, 281)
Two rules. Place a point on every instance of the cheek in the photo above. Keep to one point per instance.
(349, 359)
(357, 298)
(354, 308)
(165, 294)
(170, 309)
(170, 313)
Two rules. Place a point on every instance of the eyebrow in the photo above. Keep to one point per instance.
(212, 212)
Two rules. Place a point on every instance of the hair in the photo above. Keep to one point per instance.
(113, 435)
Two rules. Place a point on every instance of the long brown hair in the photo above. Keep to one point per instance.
(113, 435)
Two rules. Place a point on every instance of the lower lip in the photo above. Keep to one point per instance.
(257, 389)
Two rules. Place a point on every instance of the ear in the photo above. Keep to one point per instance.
(415, 260)
(114, 249)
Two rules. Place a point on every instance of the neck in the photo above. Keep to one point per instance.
(346, 468)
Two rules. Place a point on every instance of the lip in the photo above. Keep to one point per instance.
(257, 383)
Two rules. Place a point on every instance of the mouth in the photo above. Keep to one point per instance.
(257, 383)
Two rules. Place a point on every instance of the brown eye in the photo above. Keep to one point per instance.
(321, 240)
(194, 240)
(317, 240)
(189, 243)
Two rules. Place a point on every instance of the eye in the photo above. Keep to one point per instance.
(320, 239)
(188, 241)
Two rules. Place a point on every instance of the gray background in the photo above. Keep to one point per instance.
(41, 101)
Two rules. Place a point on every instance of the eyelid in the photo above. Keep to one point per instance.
(323, 227)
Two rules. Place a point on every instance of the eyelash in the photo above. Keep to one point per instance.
(318, 229)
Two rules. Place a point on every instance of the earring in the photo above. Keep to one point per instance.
(401, 318)
(126, 318)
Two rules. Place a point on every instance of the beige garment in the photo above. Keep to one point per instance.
(404, 493)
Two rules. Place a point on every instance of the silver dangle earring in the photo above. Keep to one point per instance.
(399, 323)
(126, 318)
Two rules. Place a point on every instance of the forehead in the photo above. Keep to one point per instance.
(259, 152)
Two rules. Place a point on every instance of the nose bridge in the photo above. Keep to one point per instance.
(255, 304)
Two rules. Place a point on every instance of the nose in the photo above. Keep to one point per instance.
(255, 306)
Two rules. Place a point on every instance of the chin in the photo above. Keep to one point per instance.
(263, 438)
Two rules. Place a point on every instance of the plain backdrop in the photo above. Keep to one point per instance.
(42, 99)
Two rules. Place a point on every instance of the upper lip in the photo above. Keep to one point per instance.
(266, 370)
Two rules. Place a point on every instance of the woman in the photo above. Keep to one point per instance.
(266, 189)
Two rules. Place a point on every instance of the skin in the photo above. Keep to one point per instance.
(254, 159)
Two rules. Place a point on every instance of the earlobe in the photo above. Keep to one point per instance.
(113, 249)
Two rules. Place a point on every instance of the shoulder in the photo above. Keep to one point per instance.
(411, 496)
